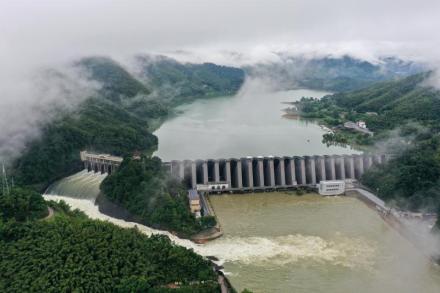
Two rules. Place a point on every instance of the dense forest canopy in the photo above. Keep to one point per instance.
(117, 83)
(411, 180)
(405, 117)
(185, 81)
(116, 120)
(335, 74)
(97, 125)
(145, 189)
(71, 253)
(68, 251)
(383, 106)
(21, 204)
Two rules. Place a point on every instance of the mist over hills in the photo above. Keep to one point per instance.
(116, 81)
(396, 102)
(118, 117)
(104, 75)
(173, 78)
(131, 99)
(405, 117)
(335, 74)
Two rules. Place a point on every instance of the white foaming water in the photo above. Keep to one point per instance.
(289, 249)
(80, 191)
(83, 184)
(91, 210)
(257, 250)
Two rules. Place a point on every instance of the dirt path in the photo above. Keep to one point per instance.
(50, 215)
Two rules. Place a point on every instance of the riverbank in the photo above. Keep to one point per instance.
(210, 233)
(113, 210)
(92, 210)
(311, 243)
(312, 235)
(427, 244)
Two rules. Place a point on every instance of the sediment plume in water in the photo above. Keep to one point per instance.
(80, 191)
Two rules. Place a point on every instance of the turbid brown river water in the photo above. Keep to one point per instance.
(317, 244)
(277, 242)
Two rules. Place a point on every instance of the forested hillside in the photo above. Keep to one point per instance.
(395, 102)
(116, 120)
(405, 116)
(116, 82)
(144, 188)
(96, 125)
(332, 73)
(383, 106)
(411, 179)
(71, 253)
(21, 204)
(184, 81)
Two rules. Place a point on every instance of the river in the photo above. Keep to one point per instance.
(317, 244)
(276, 242)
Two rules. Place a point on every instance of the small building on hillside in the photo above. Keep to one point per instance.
(331, 187)
(359, 126)
(194, 202)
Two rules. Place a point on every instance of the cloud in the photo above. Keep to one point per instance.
(60, 29)
(43, 34)
(27, 104)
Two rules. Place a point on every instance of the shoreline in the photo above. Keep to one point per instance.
(89, 206)
(111, 209)
(210, 233)
(394, 223)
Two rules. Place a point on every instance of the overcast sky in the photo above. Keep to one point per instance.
(53, 29)
(41, 33)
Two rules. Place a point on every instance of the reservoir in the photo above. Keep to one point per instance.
(276, 242)
(248, 124)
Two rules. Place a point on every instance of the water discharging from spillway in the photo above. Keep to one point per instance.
(81, 189)
(80, 192)
(275, 242)
(83, 184)
(288, 243)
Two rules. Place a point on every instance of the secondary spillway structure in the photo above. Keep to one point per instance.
(270, 173)
(103, 163)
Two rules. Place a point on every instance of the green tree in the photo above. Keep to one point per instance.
(146, 190)
(72, 253)
(22, 204)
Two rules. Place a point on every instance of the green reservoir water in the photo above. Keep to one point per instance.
(248, 124)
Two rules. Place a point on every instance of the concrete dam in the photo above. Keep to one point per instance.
(270, 173)
(103, 163)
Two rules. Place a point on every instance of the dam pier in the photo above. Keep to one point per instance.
(250, 174)
(270, 173)
(103, 163)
